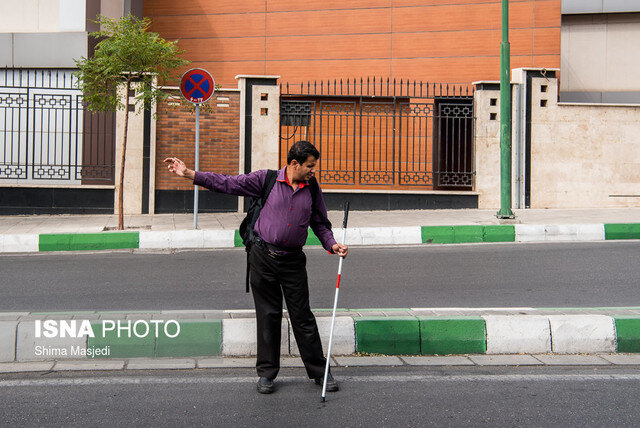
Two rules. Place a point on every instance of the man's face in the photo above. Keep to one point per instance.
(304, 171)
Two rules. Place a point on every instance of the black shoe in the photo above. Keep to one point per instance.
(332, 384)
(265, 386)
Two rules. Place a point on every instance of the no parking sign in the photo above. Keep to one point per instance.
(197, 86)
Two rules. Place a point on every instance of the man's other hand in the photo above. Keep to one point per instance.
(340, 250)
(178, 167)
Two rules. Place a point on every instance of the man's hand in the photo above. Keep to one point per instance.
(340, 250)
(178, 167)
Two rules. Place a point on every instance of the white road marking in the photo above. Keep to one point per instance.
(155, 380)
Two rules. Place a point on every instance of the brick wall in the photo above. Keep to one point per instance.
(453, 41)
(219, 138)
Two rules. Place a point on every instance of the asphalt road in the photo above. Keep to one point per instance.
(373, 396)
(485, 275)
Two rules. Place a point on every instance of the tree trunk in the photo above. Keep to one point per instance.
(123, 158)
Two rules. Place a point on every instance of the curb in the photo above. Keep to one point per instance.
(178, 239)
(59, 336)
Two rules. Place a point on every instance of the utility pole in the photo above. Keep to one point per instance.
(505, 117)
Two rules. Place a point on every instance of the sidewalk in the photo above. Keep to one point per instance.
(219, 230)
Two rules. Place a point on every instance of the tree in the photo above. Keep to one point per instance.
(127, 53)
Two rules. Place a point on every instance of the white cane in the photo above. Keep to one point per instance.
(335, 302)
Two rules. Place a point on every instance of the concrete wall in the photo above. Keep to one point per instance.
(582, 155)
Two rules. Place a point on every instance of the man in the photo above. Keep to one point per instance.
(278, 265)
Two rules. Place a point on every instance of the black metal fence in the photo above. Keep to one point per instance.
(375, 132)
(47, 134)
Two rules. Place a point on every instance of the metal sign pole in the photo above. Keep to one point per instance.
(195, 187)
(197, 86)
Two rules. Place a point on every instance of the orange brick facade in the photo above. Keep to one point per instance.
(452, 41)
(219, 138)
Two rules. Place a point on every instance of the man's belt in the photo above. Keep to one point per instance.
(276, 250)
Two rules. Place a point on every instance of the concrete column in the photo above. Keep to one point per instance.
(259, 124)
(265, 127)
(133, 164)
(487, 143)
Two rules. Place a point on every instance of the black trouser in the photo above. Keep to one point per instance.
(271, 277)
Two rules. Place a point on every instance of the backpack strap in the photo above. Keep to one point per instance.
(269, 182)
(314, 187)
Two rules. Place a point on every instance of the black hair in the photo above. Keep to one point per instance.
(301, 150)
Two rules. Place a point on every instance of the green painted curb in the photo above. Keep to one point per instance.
(237, 239)
(628, 333)
(437, 234)
(452, 335)
(312, 239)
(121, 347)
(468, 234)
(622, 231)
(88, 241)
(465, 234)
(196, 338)
(500, 233)
(388, 335)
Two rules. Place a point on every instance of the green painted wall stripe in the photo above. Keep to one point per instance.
(628, 333)
(197, 338)
(622, 231)
(388, 335)
(461, 234)
(452, 335)
(88, 241)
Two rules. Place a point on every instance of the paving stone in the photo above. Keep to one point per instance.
(504, 360)
(149, 363)
(438, 361)
(89, 365)
(369, 361)
(206, 363)
(239, 337)
(291, 362)
(32, 348)
(622, 359)
(344, 340)
(8, 340)
(575, 334)
(33, 366)
(517, 334)
(571, 360)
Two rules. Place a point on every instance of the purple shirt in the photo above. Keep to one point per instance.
(286, 214)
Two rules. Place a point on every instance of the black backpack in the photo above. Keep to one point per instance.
(247, 232)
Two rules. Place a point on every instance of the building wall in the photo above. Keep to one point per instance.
(53, 33)
(599, 63)
(455, 41)
(582, 155)
(219, 138)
